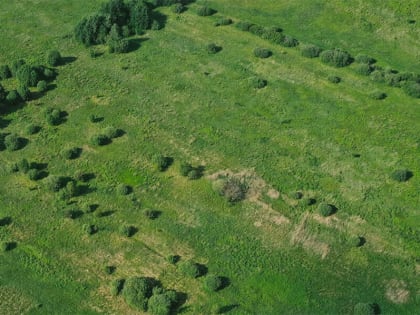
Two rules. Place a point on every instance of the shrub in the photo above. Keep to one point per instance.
(162, 303)
(310, 51)
(356, 241)
(93, 30)
(55, 183)
(16, 66)
(53, 58)
(244, 26)
(194, 174)
(378, 95)
(23, 165)
(72, 153)
(258, 83)
(178, 8)
(213, 283)
(3, 93)
(309, 201)
(173, 259)
(140, 16)
(334, 79)
(190, 269)
(123, 189)
(118, 46)
(100, 140)
(137, 291)
(378, 76)
(27, 75)
(112, 132)
(233, 189)
(156, 25)
(412, 89)
(326, 209)
(185, 168)
(212, 48)
(49, 73)
(205, 11)
(273, 36)
(34, 174)
(117, 286)
(151, 214)
(90, 229)
(5, 72)
(262, 52)
(401, 175)
(24, 92)
(336, 57)
(289, 41)
(42, 86)
(12, 142)
(296, 195)
(13, 97)
(360, 58)
(127, 230)
(364, 69)
(364, 309)
(109, 270)
(256, 30)
(223, 22)
(53, 116)
(162, 162)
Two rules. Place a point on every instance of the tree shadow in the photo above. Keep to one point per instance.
(4, 122)
(5, 221)
(10, 246)
(227, 308)
(161, 19)
(181, 298)
(38, 166)
(67, 60)
(152, 214)
(202, 269)
(83, 190)
(73, 214)
(135, 43)
(225, 282)
(85, 177)
(104, 214)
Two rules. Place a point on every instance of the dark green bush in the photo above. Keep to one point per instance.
(185, 168)
(173, 259)
(7, 246)
(412, 89)
(151, 214)
(334, 79)
(27, 75)
(71, 153)
(137, 291)
(13, 142)
(24, 92)
(364, 309)
(109, 270)
(205, 11)
(16, 66)
(127, 230)
(244, 26)
(53, 58)
(190, 269)
(223, 22)
(5, 72)
(258, 83)
(117, 286)
(378, 76)
(213, 283)
(13, 97)
(401, 175)
(364, 59)
(116, 44)
(326, 209)
(3, 94)
(336, 57)
(256, 30)
(364, 69)
(93, 30)
(140, 16)
(100, 140)
(262, 52)
(178, 8)
(289, 41)
(53, 116)
(162, 303)
(90, 229)
(49, 74)
(113, 132)
(212, 48)
(42, 86)
(273, 36)
(162, 162)
(34, 174)
(378, 95)
(55, 183)
(310, 51)
(356, 241)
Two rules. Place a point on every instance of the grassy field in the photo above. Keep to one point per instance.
(332, 142)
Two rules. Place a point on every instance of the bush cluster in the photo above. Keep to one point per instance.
(232, 188)
(336, 57)
(137, 291)
(187, 170)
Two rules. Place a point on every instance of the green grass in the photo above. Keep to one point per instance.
(297, 134)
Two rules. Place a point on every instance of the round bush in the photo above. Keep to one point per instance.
(100, 140)
(364, 69)
(262, 52)
(127, 230)
(412, 89)
(401, 175)
(326, 209)
(27, 75)
(137, 291)
(71, 154)
(194, 174)
(34, 174)
(289, 41)
(42, 86)
(273, 36)
(124, 189)
(310, 51)
(356, 241)
(53, 58)
(378, 95)
(190, 269)
(364, 309)
(173, 259)
(336, 57)
(334, 79)
(224, 21)
(205, 11)
(378, 76)
(5, 72)
(212, 48)
(109, 270)
(213, 283)
(364, 59)
(258, 83)
(32, 129)
(53, 116)
(161, 304)
(13, 97)
(151, 214)
(256, 30)
(12, 142)
(55, 183)
(244, 26)
(185, 168)
(162, 162)
(90, 229)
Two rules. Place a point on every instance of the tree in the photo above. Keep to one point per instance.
(115, 42)
(27, 75)
(137, 291)
(336, 57)
(93, 30)
(140, 16)
(54, 58)
(162, 303)
(5, 72)
(117, 10)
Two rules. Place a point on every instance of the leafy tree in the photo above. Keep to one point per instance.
(54, 58)
(27, 75)
(5, 72)
(137, 291)
(93, 30)
(117, 10)
(140, 16)
(213, 283)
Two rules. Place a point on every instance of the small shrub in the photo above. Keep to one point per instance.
(356, 241)
(378, 76)
(109, 270)
(213, 283)
(90, 229)
(205, 11)
(289, 41)
(13, 97)
(297, 195)
(127, 230)
(173, 259)
(71, 154)
(27, 75)
(401, 175)
(24, 92)
(162, 162)
(53, 58)
(336, 57)
(244, 26)
(123, 189)
(308, 201)
(156, 25)
(273, 36)
(117, 286)
(23, 165)
(412, 89)
(364, 309)
(185, 168)
(178, 8)
(53, 116)
(310, 51)
(42, 86)
(256, 30)
(5, 72)
(233, 189)
(334, 79)
(12, 142)
(55, 183)
(212, 48)
(194, 174)
(364, 69)
(100, 140)
(118, 46)
(326, 209)
(190, 269)
(7, 246)
(34, 174)
(262, 52)
(378, 95)
(223, 22)
(151, 214)
(258, 83)
(364, 59)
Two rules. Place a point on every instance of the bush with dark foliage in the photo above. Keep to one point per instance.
(336, 57)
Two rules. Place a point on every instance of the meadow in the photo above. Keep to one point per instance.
(300, 137)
